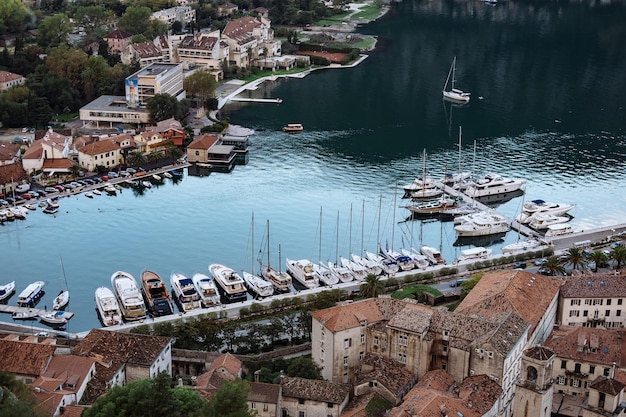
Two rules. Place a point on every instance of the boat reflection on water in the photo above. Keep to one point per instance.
(497, 199)
(480, 240)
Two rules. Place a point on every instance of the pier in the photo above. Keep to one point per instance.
(258, 100)
(36, 311)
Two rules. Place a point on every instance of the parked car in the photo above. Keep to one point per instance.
(541, 261)
(50, 190)
(112, 174)
(124, 174)
(458, 282)
(26, 196)
(3, 202)
(24, 129)
(544, 271)
(32, 130)
(59, 188)
(131, 170)
(89, 181)
(104, 178)
(33, 194)
(520, 265)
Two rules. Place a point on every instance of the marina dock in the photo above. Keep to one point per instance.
(16, 309)
(258, 100)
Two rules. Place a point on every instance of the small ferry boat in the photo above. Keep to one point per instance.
(107, 306)
(205, 285)
(229, 282)
(293, 127)
(31, 294)
(155, 293)
(184, 292)
(128, 295)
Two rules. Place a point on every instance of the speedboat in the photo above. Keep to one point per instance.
(50, 210)
(184, 292)
(146, 184)
(229, 282)
(293, 128)
(205, 285)
(493, 184)
(30, 207)
(54, 318)
(128, 296)
(257, 285)
(96, 192)
(61, 300)
(110, 190)
(52, 202)
(167, 174)
(157, 177)
(302, 271)
(155, 293)
(7, 290)
(29, 314)
(29, 296)
(325, 275)
(89, 194)
(433, 255)
(107, 306)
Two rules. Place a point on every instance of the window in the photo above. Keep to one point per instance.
(300, 400)
(300, 413)
(619, 301)
(252, 405)
(322, 335)
(608, 302)
(361, 355)
(345, 377)
(375, 340)
(588, 302)
(574, 302)
(577, 367)
(561, 380)
(322, 354)
(607, 313)
(618, 313)
(347, 343)
(585, 313)
(345, 361)
(597, 302)
(575, 383)
(563, 364)
(592, 369)
(330, 405)
(606, 371)
(574, 313)
(401, 357)
(362, 338)
(265, 407)
(403, 340)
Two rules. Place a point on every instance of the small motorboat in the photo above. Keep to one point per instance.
(50, 210)
(293, 128)
(30, 207)
(156, 177)
(146, 184)
(167, 175)
(61, 300)
(88, 194)
(97, 192)
(54, 318)
(25, 314)
(52, 202)
(7, 290)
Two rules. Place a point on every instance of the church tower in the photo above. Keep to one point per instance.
(533, 396)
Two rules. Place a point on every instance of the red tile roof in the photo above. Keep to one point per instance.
(146, 50)
(203, 142)
(118, 34)
(12, 172)
(314, 389)
(599, 285)
(240, 30)
(596, 345)
(6, 76)
(100, 146)
(264, 393)
(25, 358)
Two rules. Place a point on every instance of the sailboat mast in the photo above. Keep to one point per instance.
(362, 227)
(252, 246)
(459, 150)
(393, 226)
(319, 255)
(350, 245)
(337, 241)
(268, 244)
(63, 271)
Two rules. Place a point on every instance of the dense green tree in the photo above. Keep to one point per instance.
(553, 266)
(599, 259)
(200, 86)
(68, 63)
(162, 107)
(94, 75)
(618, 254)
(576, 258)
(467, 286)
(372, 286)
(304, 367)
(231, 400)
(54, 30)
(16, 398)
(13, 16)
(136, 159)
(96, 21)
(135, 20)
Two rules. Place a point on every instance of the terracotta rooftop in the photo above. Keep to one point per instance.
(387, 372)
(8, 151)
(6, 76)
(264, 393)
(510, 290)
(413, 317)
(112, 350)
(607, 385)
(12, 172)
(594, 286)
(437, 394)
(146, 50)
(59, 163)
(225, 367)
(24, 358)
(198, 42)
(118, 34)
(595, 345)
(240, 30)
(203, 142)
(314, 389)
(100, 146)
(74, 410)
(347, 316)
(540, 353)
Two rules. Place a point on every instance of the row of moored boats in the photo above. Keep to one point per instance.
(28, 298)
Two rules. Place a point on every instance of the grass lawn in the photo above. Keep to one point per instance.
(364, 44)
(413, 290)
(66, 117)
(367, 12)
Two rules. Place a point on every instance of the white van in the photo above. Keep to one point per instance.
(22, 188)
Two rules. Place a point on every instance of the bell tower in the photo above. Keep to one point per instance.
(533, 395)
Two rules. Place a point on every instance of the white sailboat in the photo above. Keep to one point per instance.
(279, 279)
(63, 298)
(454, 94)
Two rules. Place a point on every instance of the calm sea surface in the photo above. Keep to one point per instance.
(547, 84)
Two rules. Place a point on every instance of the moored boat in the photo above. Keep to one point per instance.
(372, 267)
(325, 275)
(257, 285)
(293, 128)
(155, 293)
(50, 210)
(302, 271)
(229, 282)
(30, 207)
(342, 273)
(205, 285)
(522, 245)
(541, 221)
(534, 207)
(128, 296)
(493, 184)
(432, 254)
(108, 307)
(167, 174)
(29, 296)
(52, 202)
(420, 261)
(454, 94)
(184, 292)
(388, 266)
(559, 229)
(474, 254)
(96, 192)
(53, 318)
(404, 262)
(29, 314)
(7, 290)
(358, 270)
(89, 194)
(61, 300)
(482, 224)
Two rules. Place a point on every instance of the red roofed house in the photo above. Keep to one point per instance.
(206, 49)
(50, 152)
(208, 149)
(145, 53)
(170, 129)
(226, 9)
(8, 152)
(309, 397)
(106, 152)
(117, 40)
(10, 177)
(122, 358)
(249, 39)
(9, 79)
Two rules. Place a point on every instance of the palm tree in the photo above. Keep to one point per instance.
(74, 170)
(372, 286)
(618, 254)
(155, 156)
(576, 258)
(598, 258)
(553, 266)
(136, 159)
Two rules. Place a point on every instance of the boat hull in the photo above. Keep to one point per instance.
(230, 284)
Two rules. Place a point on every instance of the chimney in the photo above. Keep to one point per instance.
(256, 375)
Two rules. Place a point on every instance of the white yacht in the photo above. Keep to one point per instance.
(372, 267)
(341, 272)
(359, 271)
(302, 271)
(108, 308)
(257, 285)
(184, 292)
(542, 221)
(536, 207)
(229, 282)
(128, 296)
(522, 245)
(207, 290)
(493, 184)
(419, 260)
(559, 229)
(483, 224)
(474, 254)
(388, 266)
(30, 294)
(279, 279)
(433, 255)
